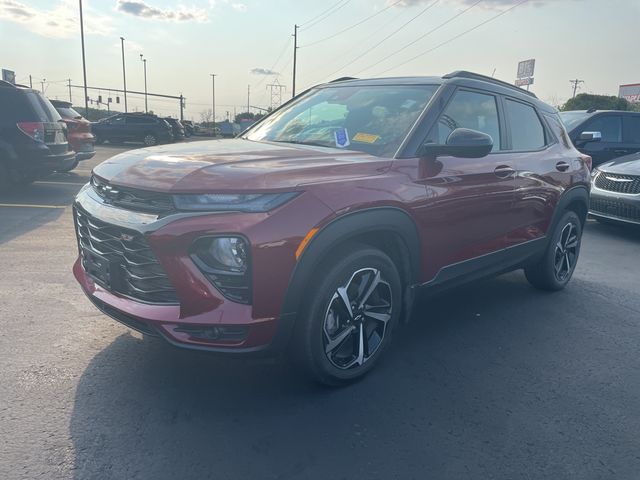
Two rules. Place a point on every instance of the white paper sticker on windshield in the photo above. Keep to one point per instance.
(342, 138)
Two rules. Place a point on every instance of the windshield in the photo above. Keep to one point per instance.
(372, 119)
(572, 119)
(68, 112)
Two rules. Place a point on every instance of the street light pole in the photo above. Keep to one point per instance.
(124, 76)
(144, 60)
(84, 66)
(213, 101)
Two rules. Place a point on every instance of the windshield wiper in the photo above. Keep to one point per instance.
(298, 142)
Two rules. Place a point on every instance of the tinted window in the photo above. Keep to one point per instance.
(14, 107)
(45, 112)
(608, 125)
(632, 129)
(372, 119)
(139, 120)
(572, 119)
(116, 120)
(68, 112)
(527, 133)
(476, 111)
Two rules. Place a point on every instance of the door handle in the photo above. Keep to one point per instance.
(620, 152)
(562, 166)
(504, 171)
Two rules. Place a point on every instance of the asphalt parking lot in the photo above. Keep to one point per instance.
(493, 380)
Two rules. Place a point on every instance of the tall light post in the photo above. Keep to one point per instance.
(144, 60)
(84, 66)
(213, 101)
(124, 76)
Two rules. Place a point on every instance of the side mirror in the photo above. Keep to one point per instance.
(461, 142)
(586, 137)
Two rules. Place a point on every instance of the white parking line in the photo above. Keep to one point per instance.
(59, 183)
(23, 205)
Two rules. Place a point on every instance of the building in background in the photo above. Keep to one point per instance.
(630, 93)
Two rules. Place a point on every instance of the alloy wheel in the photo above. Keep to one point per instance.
(566, 252)
(356, 319)
(149, 140)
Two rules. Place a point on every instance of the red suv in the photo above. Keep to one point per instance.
(314, 230)
(80, 137)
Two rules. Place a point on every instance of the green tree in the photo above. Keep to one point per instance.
(586, 101)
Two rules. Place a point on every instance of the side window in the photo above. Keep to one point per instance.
(117, 121)
(477, 111)
(631, 130)
(609, 125)
(527, 132)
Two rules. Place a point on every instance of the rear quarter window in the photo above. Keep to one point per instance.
(558, 128)
(44, 111)
(14, 107)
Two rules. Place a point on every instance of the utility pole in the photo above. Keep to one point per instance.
(276, 94)
(248, 98)
(575, 84)
(295, 58)
(42, 85)
(84, 65)
(144, 60)
(70, 99)
(30, 82)
(181, 107)
(213, 101)
(124, 76)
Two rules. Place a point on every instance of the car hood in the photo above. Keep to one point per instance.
(627, 165)
(235, 165)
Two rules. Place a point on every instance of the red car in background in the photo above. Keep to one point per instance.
(80, 137)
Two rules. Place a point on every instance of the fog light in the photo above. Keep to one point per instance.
(223, 253)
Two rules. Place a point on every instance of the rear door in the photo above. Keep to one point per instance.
(611, 145)
(544, 161)
(468, 210)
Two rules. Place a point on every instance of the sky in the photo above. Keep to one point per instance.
(250, 43)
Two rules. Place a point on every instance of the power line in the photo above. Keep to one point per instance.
(352, 26)
(438, 27)
(327, 15)
(455, 37)
(322, 13)
(575, 84)
(415, 17)
(282, 52)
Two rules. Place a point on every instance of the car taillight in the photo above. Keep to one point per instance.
(33, 129)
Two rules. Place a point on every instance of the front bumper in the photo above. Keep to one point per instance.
(200, 305)
(620, 207)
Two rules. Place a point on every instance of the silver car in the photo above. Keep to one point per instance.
(615, 190)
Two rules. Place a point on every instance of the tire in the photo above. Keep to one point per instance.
(556, 267)
(69, 168)
(336, 347)
(150, 140)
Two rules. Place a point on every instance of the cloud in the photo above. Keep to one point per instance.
(263, 71)
(139, 8)
(62, 21)
(239, 7)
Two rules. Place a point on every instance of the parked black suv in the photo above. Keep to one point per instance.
(33, 137)
(177, 128)
(603, 134)
(133, 127)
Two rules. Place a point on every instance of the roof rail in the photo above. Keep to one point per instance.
(343, 79)
(485, 78)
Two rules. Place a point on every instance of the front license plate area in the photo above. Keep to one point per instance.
(98, 267)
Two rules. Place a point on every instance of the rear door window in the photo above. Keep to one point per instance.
(477, 111)
(610, 126)
(631, 129)
(527, 132)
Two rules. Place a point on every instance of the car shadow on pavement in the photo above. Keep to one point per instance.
(473, 384)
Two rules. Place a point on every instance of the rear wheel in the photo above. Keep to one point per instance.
(555, 269)
(352, 309)
(150, 140)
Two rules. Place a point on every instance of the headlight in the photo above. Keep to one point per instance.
(221, 202)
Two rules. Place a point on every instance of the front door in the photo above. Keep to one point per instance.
(468, 205)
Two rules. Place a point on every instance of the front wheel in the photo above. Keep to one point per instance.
(352, 308)
(556, 267)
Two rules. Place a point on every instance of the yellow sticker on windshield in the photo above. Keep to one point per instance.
(365, 138)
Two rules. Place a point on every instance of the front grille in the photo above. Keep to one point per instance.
(133, 199)
(618, 183)
(121, 260)
(615, 209)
